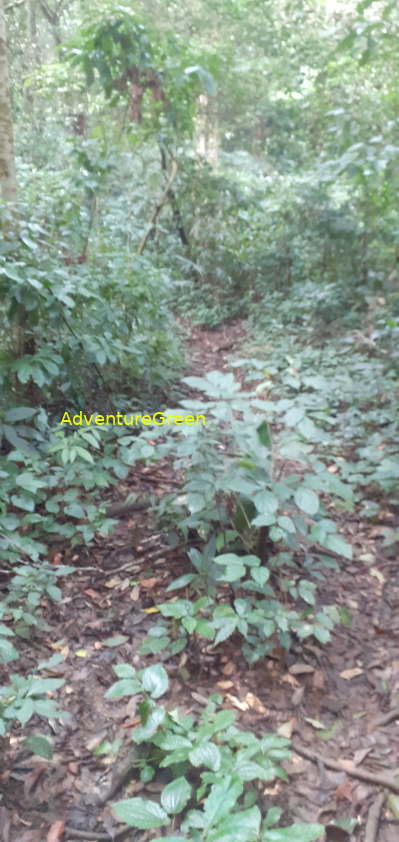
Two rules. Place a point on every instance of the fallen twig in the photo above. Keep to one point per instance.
(92, 835)
(386, 717)
(370, 834)
(348, 767)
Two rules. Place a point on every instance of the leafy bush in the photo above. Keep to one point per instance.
(210, 769)
(253, 516)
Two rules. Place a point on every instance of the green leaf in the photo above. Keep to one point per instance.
(40, 745)
(206, 754)
(136, 812)
(20, 413)
(172, 742)
(181, 582)
(306, 500)
(338, 545)
(175, 796)
(239, 827)
(221, 799)
(264, 435)
(266, 503)
(260, 575)
(294, 416)
(115, 641)
(155, 680)
(124, 687)
(295, 833)
(306, 591)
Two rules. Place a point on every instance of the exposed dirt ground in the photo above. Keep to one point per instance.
(331, 699)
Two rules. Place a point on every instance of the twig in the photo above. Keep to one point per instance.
(91, 834)
(348, 767)
(370, 834)
(387, 717)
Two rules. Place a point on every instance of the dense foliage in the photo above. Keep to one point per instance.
(160, 170)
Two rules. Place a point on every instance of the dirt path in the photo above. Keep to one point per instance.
(327, 698)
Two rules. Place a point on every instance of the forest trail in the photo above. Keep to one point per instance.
(331, 700)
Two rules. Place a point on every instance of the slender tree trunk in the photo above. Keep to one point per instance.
(8, 182)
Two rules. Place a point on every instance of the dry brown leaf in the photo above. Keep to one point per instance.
(241, 705)
(314, 722)
(377, 574)
(135, 593)
(228, 668)
(300, 669)
(289, 679)
(56, 831)
(148, 583)
(255, 703)
(113, 583)
(344, 791)
(318, 681)
(286, 729)
(225, 685)
(351, 673)
(360, 754)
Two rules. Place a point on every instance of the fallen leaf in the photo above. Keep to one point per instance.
(152, 610)
(297, 696)
(148, 583)
(360, 754)
(113, 583)
(344, 791)
(318, 682)
(289, 679)
(255, 703)
(135, 593)
(94, 595)
(286, 729)
(377, 574)
(300, 669)
(351, 673)
(241, 705)
(225, 685)
(81, 653)
(56, 831)
(228, 668)
(314, 722)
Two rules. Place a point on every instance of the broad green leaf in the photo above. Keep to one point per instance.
(176, 795)
(260, 575)
(155, 680)
(124, 687)
(264, 435)
(40, 745)
(307, 590)
(181, 582)
(295, 833)
(266, 502)
(294, 415)
(20, 413)
(222, 798)
(306, 500)
(338, 545)
(239, 827)
(206, 754)
(137, 812)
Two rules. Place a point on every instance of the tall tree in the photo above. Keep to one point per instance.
(8, 183)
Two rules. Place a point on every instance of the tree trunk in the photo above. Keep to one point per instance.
(8, 183)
